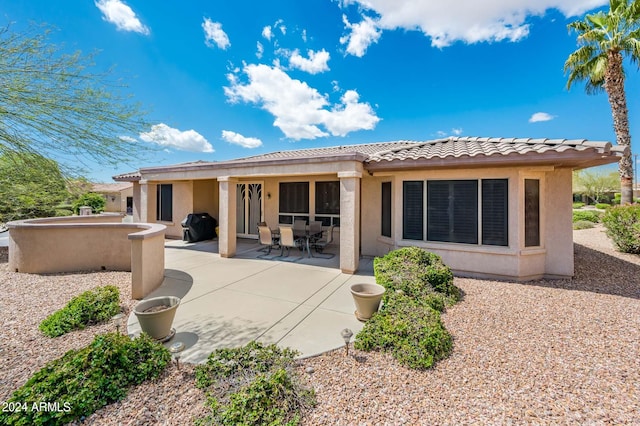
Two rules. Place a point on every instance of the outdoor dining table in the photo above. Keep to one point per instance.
(308, 236)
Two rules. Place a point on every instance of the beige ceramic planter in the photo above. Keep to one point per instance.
(157, 322)
(367, 298)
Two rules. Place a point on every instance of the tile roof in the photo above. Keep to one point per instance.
(472, 147)
(446, 151)
(110, 187)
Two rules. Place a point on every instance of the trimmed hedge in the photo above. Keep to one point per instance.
(83, 381)
(91, 307)
(583, 224)
(602, 206)
(253, 384)
(416, 272)
(623, 227)
(590, 215)
(578, 205)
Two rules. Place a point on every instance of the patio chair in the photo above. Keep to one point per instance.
(299, 226)
(287, 240)
(322, 244)
(266, 240)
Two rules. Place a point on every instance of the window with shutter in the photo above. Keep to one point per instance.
(531, 212)
(452, 211)
(164, 202)
(386, 210)
(413, 210)
(495, 208)
(293, 201)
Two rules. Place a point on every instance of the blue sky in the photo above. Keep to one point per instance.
(229, 79)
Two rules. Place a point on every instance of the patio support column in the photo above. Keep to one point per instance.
(349, 221)
(141, 214)
(227, 219)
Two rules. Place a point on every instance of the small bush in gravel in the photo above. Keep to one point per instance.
(602, 206)
(578, 205)
(91, 307)
(583, 224)
(82, 381)
(254, 384)
(623, 227)
(416, 272)
(412, 331)
(590, 215)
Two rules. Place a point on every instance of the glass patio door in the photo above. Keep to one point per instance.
(248, 209)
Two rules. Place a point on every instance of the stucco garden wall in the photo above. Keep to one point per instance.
(89, 243)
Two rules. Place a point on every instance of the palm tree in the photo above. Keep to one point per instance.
(605, 39)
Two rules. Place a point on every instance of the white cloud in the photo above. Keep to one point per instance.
(300, 111)
(316, 63)
(541, 116)
(362, 35)
(456, 131)
(213, 34)
(121, 15)
(470, 21)
(189, 140)
(238, 139)
(304, 35)
(260, 50)
(128, 139)
(267, 33)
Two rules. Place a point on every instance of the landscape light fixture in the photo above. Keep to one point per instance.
(346, 335)
(118, 319)
(175, 349)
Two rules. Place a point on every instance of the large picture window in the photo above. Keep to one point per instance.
(293, 201)
(328, 202)
(453, 211)
(164, 204)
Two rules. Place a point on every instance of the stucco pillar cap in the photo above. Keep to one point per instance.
(350, 174)
(227, 179)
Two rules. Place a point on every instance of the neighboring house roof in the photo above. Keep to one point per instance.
(446, 152)
(110, 187)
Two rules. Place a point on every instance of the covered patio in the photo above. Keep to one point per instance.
(298, 302)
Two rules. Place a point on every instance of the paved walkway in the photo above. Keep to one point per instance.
(229, 302)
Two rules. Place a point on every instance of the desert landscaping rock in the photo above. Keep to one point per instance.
(542, 352)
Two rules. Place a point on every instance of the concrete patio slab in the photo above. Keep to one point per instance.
(227, 302)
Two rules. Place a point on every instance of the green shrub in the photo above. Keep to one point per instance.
(602, 206)
(91, 307)
(416, 272)
(253, 384)
(617, 198)
(91, 199)
(583, 224)
(82, 381)
(63, 212)
(412, 331)
(590, 215)
(623, 227)
(578, 205)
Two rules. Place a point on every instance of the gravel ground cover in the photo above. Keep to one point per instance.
(544, 352)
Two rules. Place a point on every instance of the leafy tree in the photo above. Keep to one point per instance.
(605, 39)
(595, 184)
(31, 186)
(91, 199)
(51, 104)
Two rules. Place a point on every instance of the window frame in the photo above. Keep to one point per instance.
(161, 204)
(386, 210)
(477, 204)
(288, 216)
(332, 215)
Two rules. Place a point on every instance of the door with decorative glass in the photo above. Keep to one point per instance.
(249, 209)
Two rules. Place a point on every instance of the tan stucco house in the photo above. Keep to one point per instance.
(118, 196)
(491, 207)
